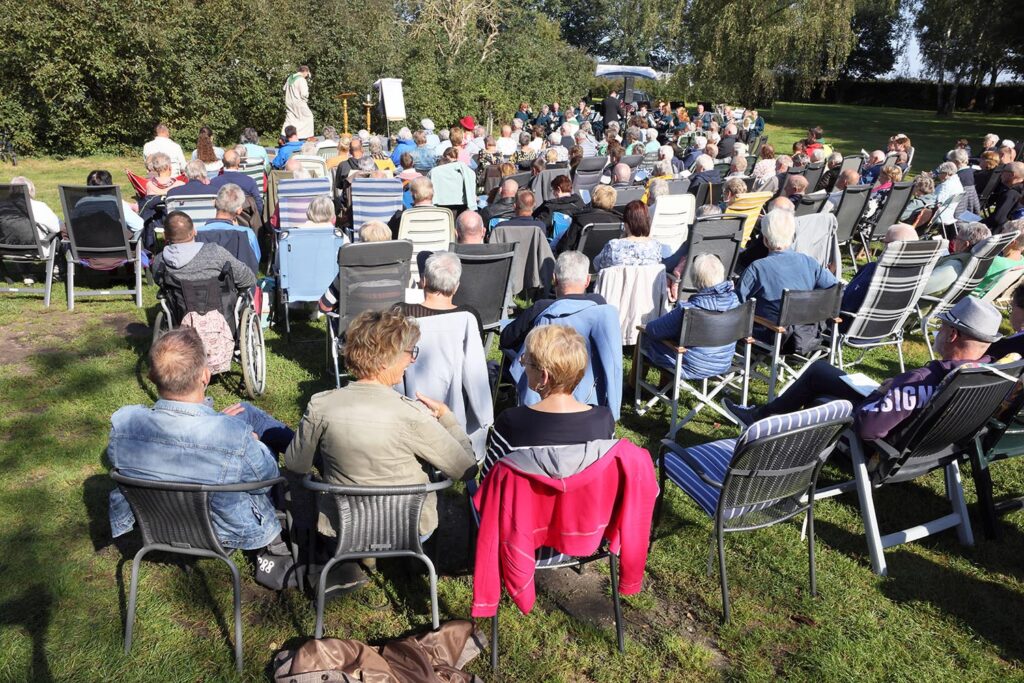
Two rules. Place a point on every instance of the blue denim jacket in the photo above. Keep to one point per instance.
(189, 442)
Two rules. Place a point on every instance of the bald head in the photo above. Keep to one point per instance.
(470, 228)
(621, 173)
(847, 178)
(509, 188)
(796, 184)
(780, 203)
(231, 159)
(901, 232)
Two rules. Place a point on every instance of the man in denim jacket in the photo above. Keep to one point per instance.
(182, 439)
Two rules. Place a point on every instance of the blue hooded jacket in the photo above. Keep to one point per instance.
(698, 362)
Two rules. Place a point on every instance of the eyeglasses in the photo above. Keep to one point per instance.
(527, 360)
(414, 352)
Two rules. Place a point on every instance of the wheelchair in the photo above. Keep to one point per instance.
(179, 297)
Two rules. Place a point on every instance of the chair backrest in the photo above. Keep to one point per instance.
(990, 187)
(326, 153)
(638, 293)
(945, 212)
(1003, 288)
(626, 195)
(588, 174)
(255, 170)
(18, 233)
(702, 328)
(678, 186)
(372, 277)
(541, 184)
(486, 282)
(595, 236)
(199, 207)
(718, 235)
(889, 214)
(522, 179)
(174, 514)
(723, 168)
(806, 307)
(535, 263)
(377, 520)
(138, 183)
(811, 203)
(816, 237)
(94, 217)
(633, 161)
(954, 413)
(795, 171)
(975, 270)
(748, 205)
(673, 215)
(375, 199)
(813, 173)
(900, 276)
(307, 261)
(776, 463)
(852, 162)
(850, 209)
(316, 166)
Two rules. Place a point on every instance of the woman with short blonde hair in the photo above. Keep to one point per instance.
(554, 361)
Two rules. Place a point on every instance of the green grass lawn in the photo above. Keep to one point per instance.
(945, 612)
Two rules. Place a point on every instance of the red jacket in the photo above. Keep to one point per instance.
(612, 498)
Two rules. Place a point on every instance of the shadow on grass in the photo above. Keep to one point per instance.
(31, 610)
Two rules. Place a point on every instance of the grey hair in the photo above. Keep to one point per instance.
(250, 136)
(652, 134)
(835, 159)
(818, 155)
(700, 142)
(708, 210)
(705, 163)
(555, 139)
(160, 162)
(924, 184)
(442, 273)
(947, 167)
(22, 180)
(666, 152)
(195, 170)
(663, 167)
(404, 133)
(375, 146)
(444, 134)
(708, 271)
(658, 188)
(308, 149)
(572, 266)
(320, 210)
(524, 137)
(778, 229)
(330, 133)
(973, 232)
(230, 199)
(366, 164)
(958, 157)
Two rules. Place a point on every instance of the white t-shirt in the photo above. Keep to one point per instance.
(168, 147)
(506, 146)
(46, 220)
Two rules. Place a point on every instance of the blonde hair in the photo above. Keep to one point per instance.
(893, 173)
(374, 231)
(344, 143)
(456, 136)
(560, 351)
(604, 197)
(375, 339)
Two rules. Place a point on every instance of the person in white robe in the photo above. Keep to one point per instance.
(296, 102)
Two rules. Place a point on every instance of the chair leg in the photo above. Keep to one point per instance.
(434, 620)
(494, 642)
(321, 597)
(613, 561)
(927, 339)
(236, 581)
(70, 282)
(722, 577)
(50, 262)
(133, 591)
(867, 509)
(983, 489)
(955, 492)
(810, 546)
(138, 277)
(659, 503)
(638, 362)
(899, 352)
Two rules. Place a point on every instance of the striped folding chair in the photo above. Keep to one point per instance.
(766, 476)
(294, 196)
(199, 207)
(375, 199)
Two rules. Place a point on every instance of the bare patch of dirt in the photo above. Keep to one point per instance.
(54, 331)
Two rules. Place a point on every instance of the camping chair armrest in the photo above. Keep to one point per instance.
(677, 349)
(672, 277)
(929, 298)
(770, 324)
(691, 462)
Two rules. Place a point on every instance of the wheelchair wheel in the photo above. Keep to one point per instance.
(252, 352)
(161, 326)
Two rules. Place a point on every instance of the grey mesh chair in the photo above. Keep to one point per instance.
(594, 237)
(700, 329)
(873, 229)
(588, 174)
(372, 276)
(718, 235)
(376, 521)
(678, 186)
(852, 204)
(94, 217)
(852, 162)
(21, 243)
(982, 255)
(811, 203)
(813, 173)
(486, 283)
(935, 437)
(628, 194)
(766, 476)
(175, 518)
(799, 307)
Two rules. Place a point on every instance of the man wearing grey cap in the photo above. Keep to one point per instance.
(964, 336)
